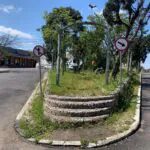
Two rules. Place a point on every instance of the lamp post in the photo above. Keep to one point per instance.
(92, 6)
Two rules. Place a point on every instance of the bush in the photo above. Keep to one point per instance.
(127, 93)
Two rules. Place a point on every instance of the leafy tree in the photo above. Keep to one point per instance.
(60, 18)
(140, 48)
(56, 32)
(90, 41)
(107, 45)
(135, 15)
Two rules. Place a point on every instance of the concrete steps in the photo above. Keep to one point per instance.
(81, 105)
(78, 109)
(64, 119)
(80, 99)
(77, 112)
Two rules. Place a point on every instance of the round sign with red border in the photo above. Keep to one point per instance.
(38, 50)
(121, 44)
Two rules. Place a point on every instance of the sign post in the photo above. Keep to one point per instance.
(121, 44)
(38, 52)
(120, 53)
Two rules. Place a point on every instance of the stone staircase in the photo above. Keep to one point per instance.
(78, 109)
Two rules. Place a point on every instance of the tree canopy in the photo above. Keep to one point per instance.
(58, 19)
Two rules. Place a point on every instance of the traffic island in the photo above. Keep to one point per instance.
(35, 127)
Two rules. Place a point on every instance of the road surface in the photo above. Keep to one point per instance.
(15, 88)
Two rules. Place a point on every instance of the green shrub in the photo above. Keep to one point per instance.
(127, 93)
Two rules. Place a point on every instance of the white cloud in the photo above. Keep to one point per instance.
(14, 32)
(9, 8)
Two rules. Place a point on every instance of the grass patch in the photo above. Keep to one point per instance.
(121, 121)
(83, 84)
(38, 127)
(84, 143)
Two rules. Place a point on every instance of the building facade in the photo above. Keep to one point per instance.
(11, 57)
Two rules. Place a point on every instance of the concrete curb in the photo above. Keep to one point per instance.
(109, 140)
(29, 101)
(4, 70)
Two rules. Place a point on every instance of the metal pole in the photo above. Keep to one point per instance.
(41, 93)
(58, 61)
(120, 67)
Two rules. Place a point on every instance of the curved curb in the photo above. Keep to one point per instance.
(109, 140)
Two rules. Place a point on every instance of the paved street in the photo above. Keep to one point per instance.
(16, 87)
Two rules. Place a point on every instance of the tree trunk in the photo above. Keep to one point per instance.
(52, 59)
(64, 62)
(107, 67)
(130, 62)
(58, 60)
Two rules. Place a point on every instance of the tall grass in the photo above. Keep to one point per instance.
(83, 84)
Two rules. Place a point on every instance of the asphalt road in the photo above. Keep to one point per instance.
(16, 87)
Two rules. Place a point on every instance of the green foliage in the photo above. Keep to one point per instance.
(133, 14)
(37, 126)
(127, 93)
(136, 18)
(56, 20)
(90, 40)
(84, 84)
(140, 48)
(84, 143)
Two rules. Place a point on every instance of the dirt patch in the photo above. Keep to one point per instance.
(95, 133)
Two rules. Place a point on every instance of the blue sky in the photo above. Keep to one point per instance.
(21, 18)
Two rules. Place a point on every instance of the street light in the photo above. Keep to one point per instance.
(92, 6)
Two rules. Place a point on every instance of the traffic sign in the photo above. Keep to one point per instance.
(38, 50)
(121, 44)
